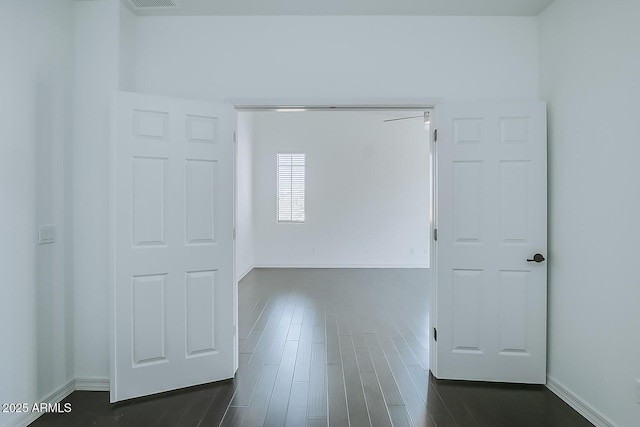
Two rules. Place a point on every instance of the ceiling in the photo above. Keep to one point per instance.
(350, 7)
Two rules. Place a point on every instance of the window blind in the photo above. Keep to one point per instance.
(291, 171)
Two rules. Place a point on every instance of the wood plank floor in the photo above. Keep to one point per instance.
(336, 347)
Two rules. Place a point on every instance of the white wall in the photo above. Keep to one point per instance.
(35, 129)
(127, 49)
(590, 76)
(96, 77)
(244, 226)
(253, 57)
(338, 57)
(366, 195)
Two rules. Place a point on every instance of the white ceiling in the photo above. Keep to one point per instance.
(353, 7)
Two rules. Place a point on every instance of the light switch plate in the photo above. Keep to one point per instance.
(47, 234)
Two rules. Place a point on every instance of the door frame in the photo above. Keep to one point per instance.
(391, 104)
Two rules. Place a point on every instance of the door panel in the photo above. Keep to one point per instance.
(492, 217)
(172, 205)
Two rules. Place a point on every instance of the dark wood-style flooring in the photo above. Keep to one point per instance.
(344, 347)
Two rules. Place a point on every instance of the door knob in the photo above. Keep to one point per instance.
(536, 258)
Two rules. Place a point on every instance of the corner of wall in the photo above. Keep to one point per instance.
(245, 237)
(127, 38)
(96, 78)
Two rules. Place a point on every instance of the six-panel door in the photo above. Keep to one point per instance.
(173, 318)
(492, 217)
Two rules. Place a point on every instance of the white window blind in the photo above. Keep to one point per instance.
(291, 187)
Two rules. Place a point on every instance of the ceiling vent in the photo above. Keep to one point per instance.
(153, 4)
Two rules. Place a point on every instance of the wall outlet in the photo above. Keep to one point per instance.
(47, 234)
(638, 392)
(412, 251)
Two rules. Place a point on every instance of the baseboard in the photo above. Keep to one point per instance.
(93, 384)
(245, 273)
(53, 398)
(418, 266)
(583, 408)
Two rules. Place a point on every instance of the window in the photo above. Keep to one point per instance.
(291, 187)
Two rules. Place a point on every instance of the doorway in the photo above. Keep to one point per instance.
(366, 188)
(333, 297)
(491, 162)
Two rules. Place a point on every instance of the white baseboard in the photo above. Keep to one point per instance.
(583, 408)
(93, 384)
(55, 397)
(245, 273)
(419, 266)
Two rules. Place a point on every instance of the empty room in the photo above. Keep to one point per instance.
(333, 211)
(319, 213)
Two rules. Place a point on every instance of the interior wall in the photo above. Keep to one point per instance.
(589, 75)
(244, 226)
(36, 307)
(588, 59)
(96, 78)
(338, 57)
(253, 57)
(366, 195)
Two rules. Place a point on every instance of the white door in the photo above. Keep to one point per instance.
(491, 219)
(172, 227)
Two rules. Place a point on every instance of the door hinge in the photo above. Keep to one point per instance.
(435, 135)
(235, 138)
(435, 234)
(435, 334)
(234, 234)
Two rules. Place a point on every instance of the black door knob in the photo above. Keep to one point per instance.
(536, 258)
